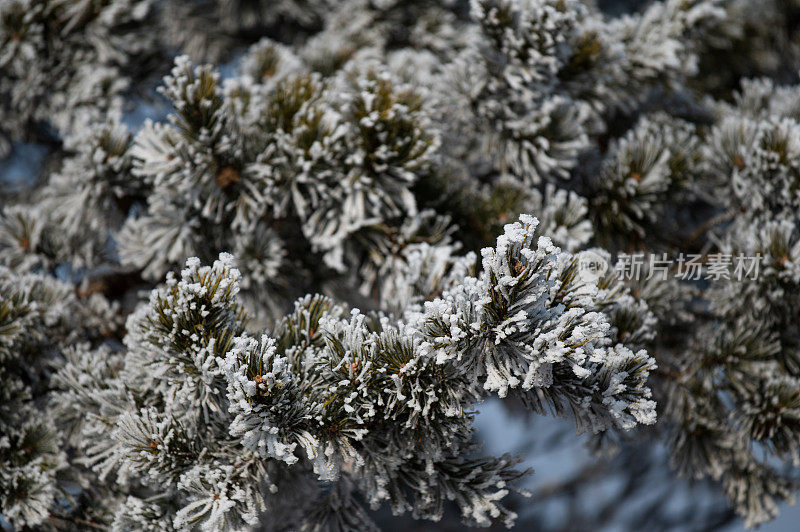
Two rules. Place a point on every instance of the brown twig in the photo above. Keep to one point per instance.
(716, 220)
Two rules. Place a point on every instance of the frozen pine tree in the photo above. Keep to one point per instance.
(263, 265)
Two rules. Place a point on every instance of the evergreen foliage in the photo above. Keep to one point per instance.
(359, 220)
